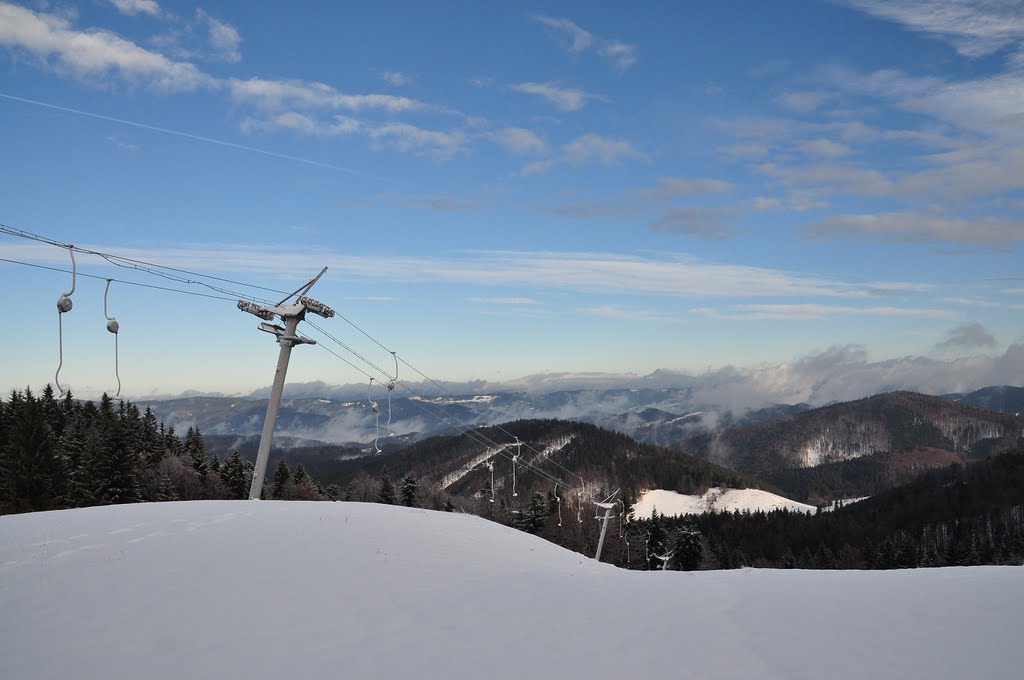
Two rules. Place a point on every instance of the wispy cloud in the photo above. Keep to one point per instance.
(576, 40)
(502, 300)
(803, 102)
(395, 78)
(279, 94)
(620, 53)
(121, 144)
(917, 227)
(95, 55)
(704, 223)
(670, 275)
(405, 137)
(669, 188)
(966, 336)
(625, 313)
(974, 27)
(564, 98)
(970, 301)
(589, 209)
(518, 140)
(223, 38)
(133, 7)
(589, 149)
(808, 311)
(823, 148)
(440, 203)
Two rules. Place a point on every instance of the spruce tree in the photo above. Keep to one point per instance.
(409, 487)
(233, 475)
(299, 475)
(386, 494)
(282, 478)
(688, 550)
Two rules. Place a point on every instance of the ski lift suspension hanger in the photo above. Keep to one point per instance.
(391, 388)
(113, 326)
(64, 305)
(376, 413)
(515, 459)
(287, 337)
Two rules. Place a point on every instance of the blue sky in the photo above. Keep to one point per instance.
(504, 190)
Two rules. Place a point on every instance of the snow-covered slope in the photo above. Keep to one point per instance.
(260, 589)
(716, 499)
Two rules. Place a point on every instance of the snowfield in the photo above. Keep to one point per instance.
(716, 499)
(263, 589)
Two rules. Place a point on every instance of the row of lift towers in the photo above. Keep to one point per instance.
(287, 337)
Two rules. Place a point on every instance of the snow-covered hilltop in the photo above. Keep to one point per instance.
(262, 589)
(716, 499)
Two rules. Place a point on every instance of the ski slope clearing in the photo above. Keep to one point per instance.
(264, 589)
(716, 499)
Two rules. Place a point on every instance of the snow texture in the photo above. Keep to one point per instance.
(264, 589)
(717, 499)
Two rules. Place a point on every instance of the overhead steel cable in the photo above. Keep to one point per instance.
(152, 268)
(144, 266)
(124, 281)
(473, 433)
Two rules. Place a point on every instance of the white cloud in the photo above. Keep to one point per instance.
(803, 102)
(275, 94)
(970, 301)
(407, 137)
(759, 312)
(578, 40)
(620, 53)
(394, 78)
(669, 275)
(223, 38)
(975, 27)
(440, 203)
(589, 209)
(133, 7)
(502, 300)
(441, 144)
(669, 188)
(625, 313)
(966, 336)
(917, 227)
(94, 55)
(564, 98)
(591, 148)
(823, 148)
(701, 222)
(518, 140)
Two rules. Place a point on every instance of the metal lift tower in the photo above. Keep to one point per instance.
(291, 315)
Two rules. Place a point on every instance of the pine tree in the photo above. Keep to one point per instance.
(30, 469)
(233, 474)
(409, 487)
(387, 489)
(536, 513)
(282, 478)
(688, 550)
(196, 450)
(115, 470)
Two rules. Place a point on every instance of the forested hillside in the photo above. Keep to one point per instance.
(67, 453)
(861, 447)
(63, 453)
